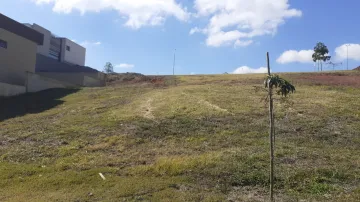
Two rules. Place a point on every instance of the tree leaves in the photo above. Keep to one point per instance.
(320, 51)
(284, 87)
(108, 68)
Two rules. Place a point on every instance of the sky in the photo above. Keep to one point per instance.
(210, 36)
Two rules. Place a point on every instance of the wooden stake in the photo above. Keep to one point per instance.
(271, 135)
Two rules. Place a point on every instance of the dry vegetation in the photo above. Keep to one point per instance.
(204, 139)
(115, 79)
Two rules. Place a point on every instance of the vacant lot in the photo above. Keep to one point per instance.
(204, 139)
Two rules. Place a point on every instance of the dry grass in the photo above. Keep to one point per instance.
(204, 139)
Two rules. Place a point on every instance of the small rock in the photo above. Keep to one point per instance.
(64, 143)
(139, 198)
(175, 186)
(297, 129)
(91, 194)
(327, 195)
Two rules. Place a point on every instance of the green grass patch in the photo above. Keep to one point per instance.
(204, 139)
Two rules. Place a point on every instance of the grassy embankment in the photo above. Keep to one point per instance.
(205, 139)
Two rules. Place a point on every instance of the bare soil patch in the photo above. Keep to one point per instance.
(148, 109)
(330, 79)
(134, 78)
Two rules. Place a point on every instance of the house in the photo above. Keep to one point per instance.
(33, 59)
(62, 59)
(18, 48)
(60, 48)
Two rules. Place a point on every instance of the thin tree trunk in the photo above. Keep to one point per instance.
(317, 64)
(271, 137)
(274, 134)
(274, 145)
(321, 65)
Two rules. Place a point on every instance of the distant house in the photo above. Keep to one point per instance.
(18, 48)
(60, 48)
(33, 59)
(62, 59)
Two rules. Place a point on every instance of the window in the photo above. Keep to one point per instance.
(3, 44)
(54, 54)
(68, 48)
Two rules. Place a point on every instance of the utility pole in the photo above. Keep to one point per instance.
(334, 64)
(174, 63)
(347, 56)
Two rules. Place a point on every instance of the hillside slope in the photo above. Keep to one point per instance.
(204, 139)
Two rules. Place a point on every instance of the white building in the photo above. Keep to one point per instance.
(60, 48)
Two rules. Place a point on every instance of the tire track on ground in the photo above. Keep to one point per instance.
(207, 103)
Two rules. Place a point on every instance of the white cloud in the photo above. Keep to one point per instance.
(242, 43)
(192, 73)
(302, 56)
(138, 13)
(125, 66)
(354, 52)
(238, 21)
(194, 30)
(89, 43)
(248, 70)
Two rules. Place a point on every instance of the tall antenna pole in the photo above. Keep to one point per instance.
(347, 56)
(174, 63)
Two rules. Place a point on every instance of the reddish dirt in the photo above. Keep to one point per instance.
(158, 81)
(329, 79)
(134, 78)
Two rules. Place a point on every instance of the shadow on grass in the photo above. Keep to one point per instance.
(32, 103)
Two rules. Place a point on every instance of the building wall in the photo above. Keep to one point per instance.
(73, 78)
(76, 55)
(101, 76)
(43, 49)
(17, 59)
(96, 75)
(36, 83)
(7, 90)
(78, 79)
(47, 64)
(51, 68)
(91, 82)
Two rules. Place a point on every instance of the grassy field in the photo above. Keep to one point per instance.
(204, 139)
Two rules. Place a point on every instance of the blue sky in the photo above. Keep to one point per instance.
(227, 36)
